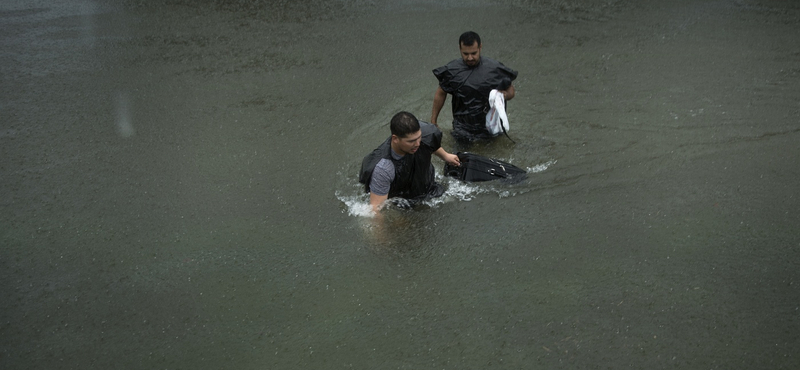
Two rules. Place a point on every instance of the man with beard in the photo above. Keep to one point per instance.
(469, 80)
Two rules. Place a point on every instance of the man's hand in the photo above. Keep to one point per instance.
(509, 93)
(447, 157)
(452, 160)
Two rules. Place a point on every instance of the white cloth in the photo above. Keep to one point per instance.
(496, 119)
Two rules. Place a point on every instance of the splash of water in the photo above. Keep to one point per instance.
(358, 204)
(541, 167)
(355, 205)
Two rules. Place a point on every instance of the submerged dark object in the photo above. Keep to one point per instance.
(475, 168)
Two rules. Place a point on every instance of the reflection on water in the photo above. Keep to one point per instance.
(124, 123)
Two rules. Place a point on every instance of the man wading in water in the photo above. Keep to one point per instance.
(469, 80)
(401, 166)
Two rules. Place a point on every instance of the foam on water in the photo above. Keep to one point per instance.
(356, 205)
(541, 167)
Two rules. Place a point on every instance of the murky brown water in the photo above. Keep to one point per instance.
(178, 187)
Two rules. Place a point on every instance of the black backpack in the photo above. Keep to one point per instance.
(476, 168)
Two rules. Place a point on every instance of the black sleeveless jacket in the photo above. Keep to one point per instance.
(413, 174)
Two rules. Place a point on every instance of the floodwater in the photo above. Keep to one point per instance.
(178, 187)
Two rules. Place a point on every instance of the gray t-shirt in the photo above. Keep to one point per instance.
(383, 175)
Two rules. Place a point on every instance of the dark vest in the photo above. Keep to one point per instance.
(413, 174)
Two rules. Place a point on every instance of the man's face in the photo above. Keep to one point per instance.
(409, 143)
(471, 54)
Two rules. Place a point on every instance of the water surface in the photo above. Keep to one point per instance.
(179, 187)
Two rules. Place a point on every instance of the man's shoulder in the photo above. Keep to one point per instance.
(456, 63)
(490, 63)
(450, 75)
(452, 66)
(431, 135)
(385, 165)
(428, 128)
(383, 172)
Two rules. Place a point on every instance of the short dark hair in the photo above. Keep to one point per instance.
(403, 124)
(469, 38)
